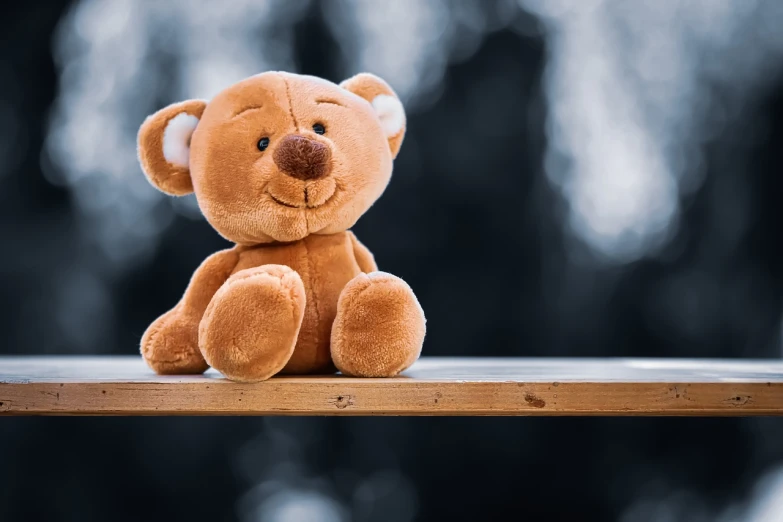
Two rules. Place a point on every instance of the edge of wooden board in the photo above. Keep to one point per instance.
(392, 397)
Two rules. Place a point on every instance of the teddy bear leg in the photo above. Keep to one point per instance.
(379, 328)
(250, 327)
(170, 344)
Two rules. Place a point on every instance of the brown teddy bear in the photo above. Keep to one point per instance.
(283, 165)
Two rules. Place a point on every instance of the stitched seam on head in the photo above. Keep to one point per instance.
(296, 126)
(290, 104)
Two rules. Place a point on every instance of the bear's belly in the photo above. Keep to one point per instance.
(325, 264)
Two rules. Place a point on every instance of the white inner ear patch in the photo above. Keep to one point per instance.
(391, 113)
(176, 139)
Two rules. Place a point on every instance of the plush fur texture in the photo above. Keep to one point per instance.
(176, 139)
(390, 112)
(283, 165)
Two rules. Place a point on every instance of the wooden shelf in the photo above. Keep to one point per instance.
(77, 385)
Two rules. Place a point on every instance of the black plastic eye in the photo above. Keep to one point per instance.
(319, 129)
(263, 143)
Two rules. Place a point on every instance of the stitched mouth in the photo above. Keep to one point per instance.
(283, 203)
(304, 205)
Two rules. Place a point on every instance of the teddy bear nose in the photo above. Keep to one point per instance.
(303, 158)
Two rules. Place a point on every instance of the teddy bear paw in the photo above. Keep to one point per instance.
(251, 325)
(379, 328)
(170, 345)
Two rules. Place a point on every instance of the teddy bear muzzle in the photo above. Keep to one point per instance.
(303, 158)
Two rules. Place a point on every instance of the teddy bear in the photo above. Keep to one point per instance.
(283, 165)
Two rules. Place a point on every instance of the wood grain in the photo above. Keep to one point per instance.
(77, 385)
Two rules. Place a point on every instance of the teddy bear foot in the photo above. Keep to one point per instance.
(250, 327)
(170, 345)
(379, 328)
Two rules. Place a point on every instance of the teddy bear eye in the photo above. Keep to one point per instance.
(319, 129)
(263, 143)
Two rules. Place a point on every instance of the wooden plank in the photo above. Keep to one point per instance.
(79, 385)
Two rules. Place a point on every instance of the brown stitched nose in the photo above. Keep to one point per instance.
(303, 158)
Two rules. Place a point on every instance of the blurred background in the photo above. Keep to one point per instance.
(579, 178)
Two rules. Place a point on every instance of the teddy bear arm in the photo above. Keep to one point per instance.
(170, 344)
(363, 256)
(206, 281)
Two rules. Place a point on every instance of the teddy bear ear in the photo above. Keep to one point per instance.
(164, 146)
(385, 103)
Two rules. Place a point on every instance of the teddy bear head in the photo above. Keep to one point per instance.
(278, 156)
